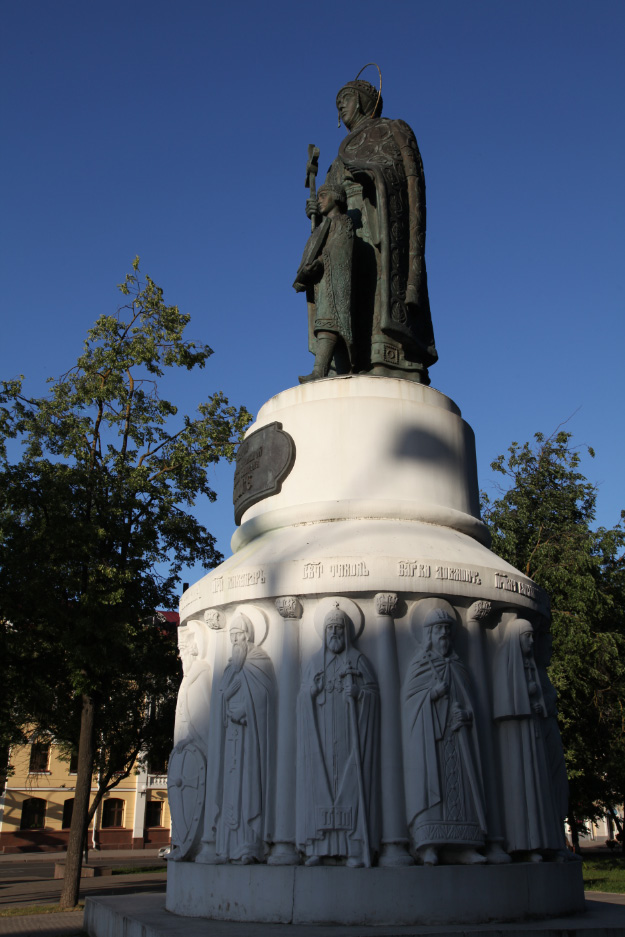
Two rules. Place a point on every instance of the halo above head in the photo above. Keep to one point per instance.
(439, 616)
(367, 89)
(339, 604)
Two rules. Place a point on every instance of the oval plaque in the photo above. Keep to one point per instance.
(264, 460)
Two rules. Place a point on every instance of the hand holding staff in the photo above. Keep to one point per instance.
(312, 167)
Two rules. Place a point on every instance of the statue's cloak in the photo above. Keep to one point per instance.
(382, 155)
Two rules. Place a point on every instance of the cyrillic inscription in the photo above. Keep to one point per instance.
(241, 580)
(313, 570)
(414, 569)
(458, 574)
(345, 570)
(505, 582)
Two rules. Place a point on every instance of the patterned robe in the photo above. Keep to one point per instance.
(444, 792)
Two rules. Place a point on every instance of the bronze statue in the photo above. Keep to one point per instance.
(327, 268)
(380, 169)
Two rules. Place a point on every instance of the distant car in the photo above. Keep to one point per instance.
(164, 852)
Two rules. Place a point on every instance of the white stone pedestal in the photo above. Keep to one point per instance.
(445, 895)
(378, 516)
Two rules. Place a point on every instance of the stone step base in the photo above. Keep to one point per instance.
(445, 894)
(145, 916)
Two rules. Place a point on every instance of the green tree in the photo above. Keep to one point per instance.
(95, 524)
(542, 523)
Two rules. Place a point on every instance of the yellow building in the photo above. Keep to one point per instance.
(36, 805)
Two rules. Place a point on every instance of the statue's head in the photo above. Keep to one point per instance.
(241, 630)
(356, 100)
(241, 636)
(188, 652)
(331, 195)
(335, 626)
(526, 636)
(438, 628)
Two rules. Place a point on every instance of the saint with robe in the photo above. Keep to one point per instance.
(338, 722)
(531, 820)
(248, 691)
(444, 791)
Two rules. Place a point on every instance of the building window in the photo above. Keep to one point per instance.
(68, 809)
(33, 814)
(158, 767)
(73, 763)
(39, 757)
(153, 812)
(113, 812)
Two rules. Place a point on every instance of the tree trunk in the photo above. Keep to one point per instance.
(80, 822)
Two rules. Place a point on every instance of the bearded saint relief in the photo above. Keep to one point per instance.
(444, 792)
(532, 823)
(248, 692)
(338, 721)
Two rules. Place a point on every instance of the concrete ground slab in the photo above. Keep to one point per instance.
(145, 916)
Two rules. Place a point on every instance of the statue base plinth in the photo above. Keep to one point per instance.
(450, 894)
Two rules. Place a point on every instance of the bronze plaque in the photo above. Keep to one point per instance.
(264, 460)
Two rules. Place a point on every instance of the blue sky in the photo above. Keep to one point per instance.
(178, 131)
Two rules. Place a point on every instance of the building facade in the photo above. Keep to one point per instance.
(36, 805)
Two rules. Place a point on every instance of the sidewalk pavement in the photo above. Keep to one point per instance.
(30, 890)
(105, 856)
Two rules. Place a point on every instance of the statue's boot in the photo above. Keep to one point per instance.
(428, 855)
(323, 357)
(470, 857)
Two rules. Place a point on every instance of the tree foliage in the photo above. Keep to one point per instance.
(543, 524)
(95, 529)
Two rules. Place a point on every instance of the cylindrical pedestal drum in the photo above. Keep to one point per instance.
(365, 729)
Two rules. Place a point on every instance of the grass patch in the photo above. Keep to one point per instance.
(24, 910)
(137, 869)
(605, 874)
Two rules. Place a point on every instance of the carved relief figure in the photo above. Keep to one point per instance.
(186, 775)
(326, 274)
(338, 764)
(531, 823)
(193, 703)
(380, 167)
(553, 740)
(444, 793)
(248, 690)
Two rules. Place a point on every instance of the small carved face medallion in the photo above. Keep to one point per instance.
(441, 637)
(527, 643)
(348, 106)
(335, 636)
